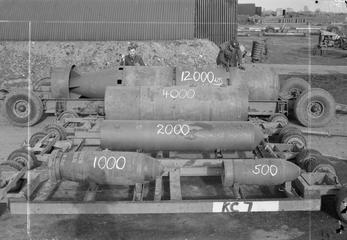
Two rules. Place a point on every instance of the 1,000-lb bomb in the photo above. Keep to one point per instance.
(104, 167)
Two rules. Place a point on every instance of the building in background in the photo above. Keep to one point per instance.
(117, 20)
(249, 9)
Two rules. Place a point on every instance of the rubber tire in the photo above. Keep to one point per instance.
(62, 116)
(293, 83)
(317, 94)
(288, 129)
(334, 29)
(302, 159)
(67, 114)
(279, 116)
(288, 136)
(341, 197)
(58, 129)
(32, 161)
(36, 107)
(270, 29)
(38, 136)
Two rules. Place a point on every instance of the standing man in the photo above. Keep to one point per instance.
(132, 59)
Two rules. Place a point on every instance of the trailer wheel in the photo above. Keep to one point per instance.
(47, 141)
(293, 88)
(23, 108)
(315, 108)
(279, 118)
(313, 161)
(59, 131)
(24, 157)
(305, 156)
(67, 114)
(270, 29)
(341, 204)
(288, 129)
(294, 138)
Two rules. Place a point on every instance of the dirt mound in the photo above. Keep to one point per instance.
(93, 56)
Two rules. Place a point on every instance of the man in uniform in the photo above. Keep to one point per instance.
(132, 59)
(230, 55)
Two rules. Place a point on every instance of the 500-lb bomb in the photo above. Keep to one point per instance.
(190, 136)
(173, 103)
(104, 167)
(259, 172)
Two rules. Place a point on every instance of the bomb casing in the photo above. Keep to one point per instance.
(104, 167)
(187, 136)
(174, 103)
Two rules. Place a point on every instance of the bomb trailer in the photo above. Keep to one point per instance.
(68, 93)
(155, 155)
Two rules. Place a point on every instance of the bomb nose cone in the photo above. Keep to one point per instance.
(291, 170)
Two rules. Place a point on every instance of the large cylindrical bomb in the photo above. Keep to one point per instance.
(262, 82)
(173, 103)
(188, 136)
(69, 81)
(104, 167)
(259, 172)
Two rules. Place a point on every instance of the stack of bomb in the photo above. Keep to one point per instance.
(129, 168)
(146, 112)
(262, 81)
(123, 166)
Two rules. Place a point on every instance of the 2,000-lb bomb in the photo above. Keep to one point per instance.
(259, 172)
(126, 135)
(104, 167)
(173, 103)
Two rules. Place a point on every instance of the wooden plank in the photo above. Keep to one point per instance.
(187, 206)
(175, 184)
(158, 188)
(138, 192)
(90, 195)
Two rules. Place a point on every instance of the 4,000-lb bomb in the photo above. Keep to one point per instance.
(174, 103)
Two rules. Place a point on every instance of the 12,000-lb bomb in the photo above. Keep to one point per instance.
(126, 135)
(92, 85)
(262, 82)
(173, 103)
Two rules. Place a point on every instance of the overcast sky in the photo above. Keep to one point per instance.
(324, 5)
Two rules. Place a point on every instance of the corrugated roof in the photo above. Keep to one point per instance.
(109, 20)
(96, 10)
